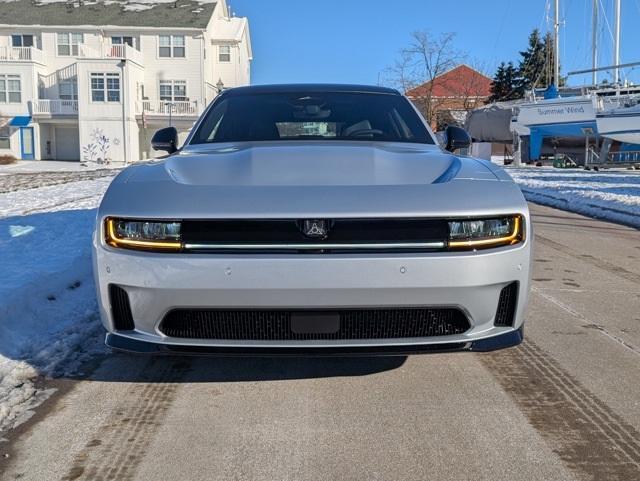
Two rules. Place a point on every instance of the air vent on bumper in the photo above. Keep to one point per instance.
(120, 309)
(507, 303)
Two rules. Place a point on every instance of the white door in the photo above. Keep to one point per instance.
(67, 143)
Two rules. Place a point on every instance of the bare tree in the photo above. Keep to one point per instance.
(467, 92)
(418, 65)
(473, 90)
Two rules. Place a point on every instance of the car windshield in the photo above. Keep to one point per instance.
(312, 116)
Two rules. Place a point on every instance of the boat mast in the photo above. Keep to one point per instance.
(556, 43)
(616, 43)
(594, 42)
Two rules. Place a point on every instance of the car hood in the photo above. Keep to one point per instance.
(319, 164)
(310, 179)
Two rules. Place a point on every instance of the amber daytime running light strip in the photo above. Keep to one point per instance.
(513, 238)
(115, 241)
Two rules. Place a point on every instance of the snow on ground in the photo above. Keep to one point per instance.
(39, 166)
(611, 195)
(48, 315)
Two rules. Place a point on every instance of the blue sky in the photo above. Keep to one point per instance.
(353, 41)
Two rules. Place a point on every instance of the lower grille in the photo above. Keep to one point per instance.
(507, 305)
(276, 325)
(120, 309)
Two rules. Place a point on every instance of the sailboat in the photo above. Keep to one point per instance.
(553, 115)
(618, 118)
(611, 112)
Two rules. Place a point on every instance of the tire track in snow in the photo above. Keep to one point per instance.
(83, 194)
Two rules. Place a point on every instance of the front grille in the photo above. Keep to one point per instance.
(120, 308)
(276, 325)
(290, 232)
(507, 305)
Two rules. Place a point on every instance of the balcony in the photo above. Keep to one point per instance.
(51, 108)
(112, 52)
(164, 108)
(21, 54)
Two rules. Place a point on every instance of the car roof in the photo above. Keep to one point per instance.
(315, 88)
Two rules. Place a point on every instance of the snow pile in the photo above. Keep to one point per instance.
(48, 314)
(609, 195)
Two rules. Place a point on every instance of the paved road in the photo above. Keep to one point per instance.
(563, 406)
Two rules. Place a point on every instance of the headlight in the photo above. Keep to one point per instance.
(484, 233)
(143, 235)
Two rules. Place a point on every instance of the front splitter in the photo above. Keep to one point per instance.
(127, 344)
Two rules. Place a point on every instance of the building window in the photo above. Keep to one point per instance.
(20, 40)
(105, 87)
(122, 40)
(224, 53)
(171, 46)
(68, 89)
(5, 138)
(10, 91)
(68, 44)
(173, 91)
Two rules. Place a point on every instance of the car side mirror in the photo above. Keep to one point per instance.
(165, 139)
(456, 138)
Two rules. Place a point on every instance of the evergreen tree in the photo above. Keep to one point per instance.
(505, 83)
(532, 63)
(536, 63)
(534, 71)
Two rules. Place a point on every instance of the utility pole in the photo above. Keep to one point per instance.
(616, 42)
(594, 42)
(556, 43)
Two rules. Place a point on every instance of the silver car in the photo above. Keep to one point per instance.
(312, 219)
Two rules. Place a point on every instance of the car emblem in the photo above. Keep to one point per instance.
(315, 229)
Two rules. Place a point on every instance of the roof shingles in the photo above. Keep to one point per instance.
(178, 14)
(461, 81)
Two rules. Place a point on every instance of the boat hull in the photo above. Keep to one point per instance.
(623, 127)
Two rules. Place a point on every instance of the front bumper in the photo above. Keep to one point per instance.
(156, 283)
(136, 346)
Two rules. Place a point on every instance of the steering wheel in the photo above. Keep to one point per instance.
(363, 132)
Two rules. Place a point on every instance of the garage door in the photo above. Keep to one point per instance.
(67, 144)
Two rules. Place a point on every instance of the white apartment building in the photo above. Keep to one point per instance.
(93, 80)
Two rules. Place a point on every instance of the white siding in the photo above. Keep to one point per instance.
(188, 68)
(142, 74)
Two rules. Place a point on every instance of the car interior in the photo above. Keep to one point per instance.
(338, 116)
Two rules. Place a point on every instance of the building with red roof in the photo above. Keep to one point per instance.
(449, 96)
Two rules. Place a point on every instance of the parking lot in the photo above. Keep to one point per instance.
(564, 405)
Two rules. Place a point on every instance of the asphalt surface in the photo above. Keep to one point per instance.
(565, 405)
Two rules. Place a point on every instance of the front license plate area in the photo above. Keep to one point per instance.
(315, 323)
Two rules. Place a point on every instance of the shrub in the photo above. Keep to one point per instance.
(7, 159)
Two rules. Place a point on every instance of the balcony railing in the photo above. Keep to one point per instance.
(54, 107)
(162, 107)
(123, 51)
(112, 51)
(24, 54)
